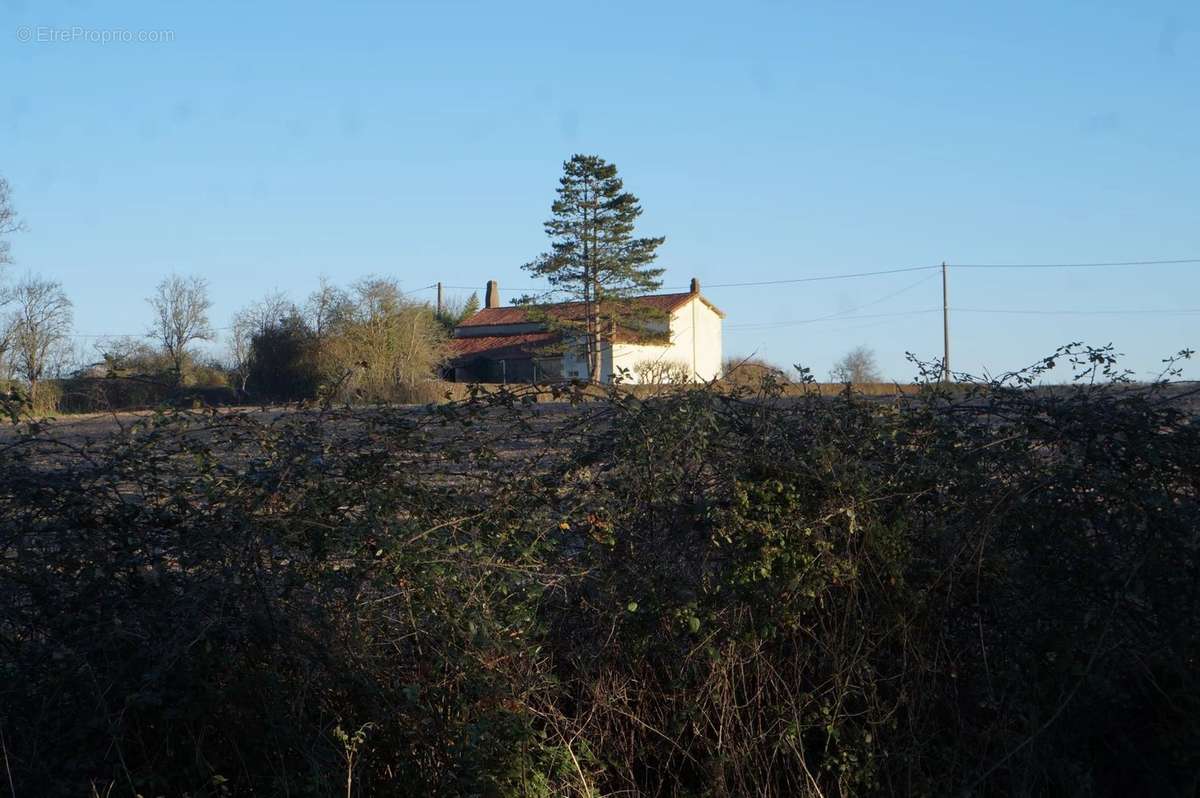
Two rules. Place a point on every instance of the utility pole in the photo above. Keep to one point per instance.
(439, 299)
(945, 327)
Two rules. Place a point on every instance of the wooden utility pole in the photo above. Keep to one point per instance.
(439, 299)
(945, 327)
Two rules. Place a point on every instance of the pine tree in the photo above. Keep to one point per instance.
(470, 307)
(594, 258)
(456, 312)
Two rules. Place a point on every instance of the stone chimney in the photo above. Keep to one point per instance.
(695, 285)
(491, 297)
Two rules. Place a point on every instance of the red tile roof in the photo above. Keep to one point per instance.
(574, 311)
(513, 347)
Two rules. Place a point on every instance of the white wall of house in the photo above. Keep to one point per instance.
(695, 342)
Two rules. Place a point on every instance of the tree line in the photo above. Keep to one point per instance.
(368, 341)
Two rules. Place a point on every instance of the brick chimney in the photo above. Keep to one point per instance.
(695, 285)
(491, 297)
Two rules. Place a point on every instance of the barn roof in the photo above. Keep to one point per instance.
(498, 347)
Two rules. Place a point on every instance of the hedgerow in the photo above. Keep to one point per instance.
(976, 589)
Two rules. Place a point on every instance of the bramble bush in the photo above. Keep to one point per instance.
(986, 588)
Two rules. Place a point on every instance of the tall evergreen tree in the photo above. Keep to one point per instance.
(594, 257)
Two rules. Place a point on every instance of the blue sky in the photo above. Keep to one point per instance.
(268, 143)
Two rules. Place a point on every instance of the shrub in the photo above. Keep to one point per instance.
(985, 591)
(663, 373)
(283, 361)
(857, 366)
(207, 376)
(48, 399)
(751, 372)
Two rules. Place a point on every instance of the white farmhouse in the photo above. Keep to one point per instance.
(680, 332)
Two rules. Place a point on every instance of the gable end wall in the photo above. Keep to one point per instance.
(696, 345)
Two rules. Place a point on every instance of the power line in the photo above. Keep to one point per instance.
(1160, 311)
(1073, 265)
(129, 335)
(843, 314)
(843, 317)
(855, 327)
(852, 275)
(882, 272)
(505, 290)
(894, 294)
(834, 317)
(821, 278)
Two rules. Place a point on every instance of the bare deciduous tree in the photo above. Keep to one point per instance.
(8, 224)
(241, 336)
(857, 366)
(249, 322)
(395, 343)
(5, 338)
(181, 308)
(39, 328)
(325, 308)
(8, 221)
